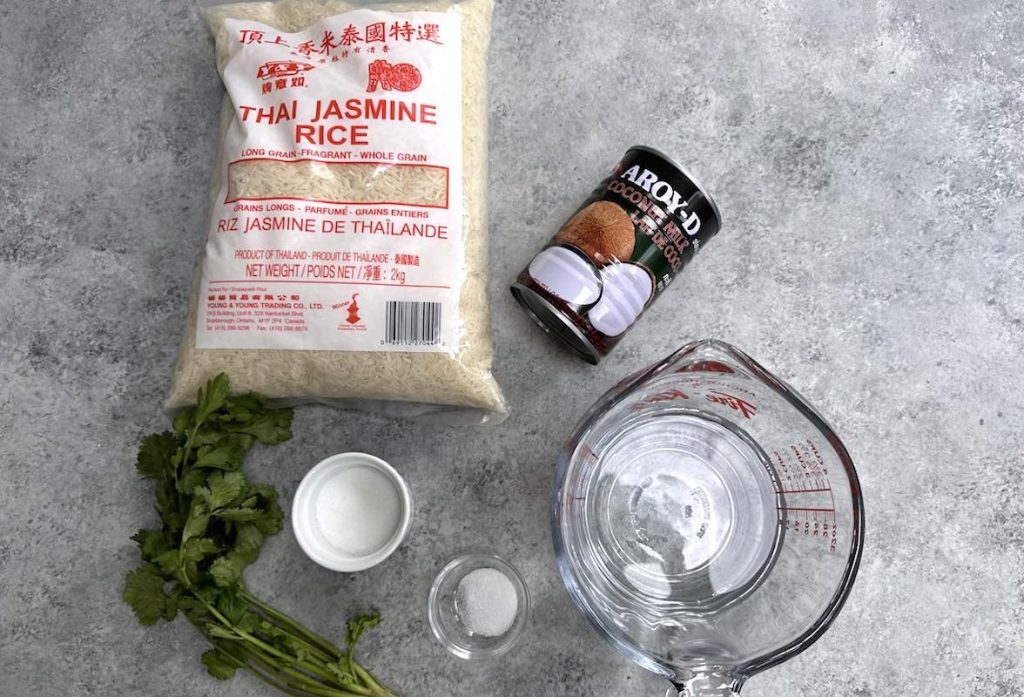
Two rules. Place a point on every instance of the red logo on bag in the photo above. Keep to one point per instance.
(353, 311)
(275, 69)
(404, 77)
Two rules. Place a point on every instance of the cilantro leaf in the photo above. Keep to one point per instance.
(183, 422)
(225, 453)
(219, 665)
(227, 570)
(248, 539)
(214, 432)
(240, 515)
(192, 478)
(144, 592)
(267, 493)
(245, 407)
(359, 625)
(155, 453)
(168, 562)
(153, 542)
(194, 609)
(272, 427)
(173, 602)
(212, 398)
(197, 549)
(198, 519)
(173, 518)
(231, 605)
(273, 521)
(250, 622)
(221, 490)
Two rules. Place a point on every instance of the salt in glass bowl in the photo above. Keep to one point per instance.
(442, 610)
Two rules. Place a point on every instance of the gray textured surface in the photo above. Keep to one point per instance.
(867, 158)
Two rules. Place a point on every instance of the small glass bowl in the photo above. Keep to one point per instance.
(443, 614)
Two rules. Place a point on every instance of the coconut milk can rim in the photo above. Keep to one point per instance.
(686, 173)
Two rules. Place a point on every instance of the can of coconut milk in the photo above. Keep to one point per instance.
(618, 252)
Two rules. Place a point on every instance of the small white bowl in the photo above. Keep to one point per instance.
(304, 513)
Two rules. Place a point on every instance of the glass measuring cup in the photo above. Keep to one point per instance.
(706, 519)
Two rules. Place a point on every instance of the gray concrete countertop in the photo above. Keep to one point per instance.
(869, 163)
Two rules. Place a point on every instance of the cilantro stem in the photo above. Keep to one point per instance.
(280, 686)
(315, 670)
(313, 650)
(307, 686)
(305, 681)
(371, 683)
(295, 660)
(301, 684)
(309, 635)
(244, 635)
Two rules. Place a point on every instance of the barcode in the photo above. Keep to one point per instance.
(415, 323)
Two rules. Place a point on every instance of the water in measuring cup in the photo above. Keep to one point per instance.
(683, 518)
(706, 535)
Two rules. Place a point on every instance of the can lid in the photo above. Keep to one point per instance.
(552, 321)
(674, 163)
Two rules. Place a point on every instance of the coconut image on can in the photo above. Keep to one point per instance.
(602, 231)
(627, 288)
(567, 275)
(617, 253)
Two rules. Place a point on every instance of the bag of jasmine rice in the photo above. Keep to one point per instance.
(346, 254)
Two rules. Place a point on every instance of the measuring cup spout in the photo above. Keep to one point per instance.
(706, 355)
(706, 685)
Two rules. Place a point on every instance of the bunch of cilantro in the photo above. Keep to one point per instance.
(214, 522)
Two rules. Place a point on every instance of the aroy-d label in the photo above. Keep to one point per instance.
(619, 252)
